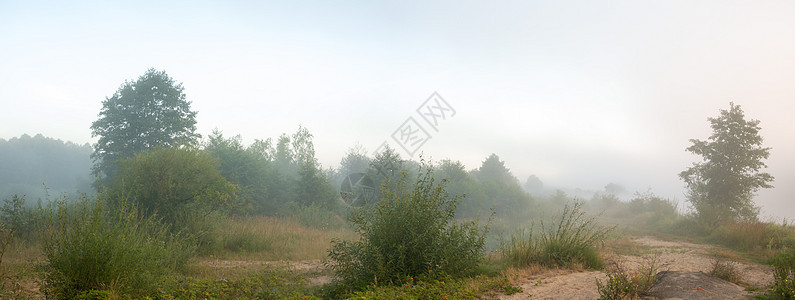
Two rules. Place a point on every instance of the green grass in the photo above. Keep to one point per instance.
(570, 240)
(87, 247)
(271, 238)
(477, 287)
(262, 284)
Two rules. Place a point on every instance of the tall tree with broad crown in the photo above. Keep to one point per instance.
(143, 114)
(722, 186)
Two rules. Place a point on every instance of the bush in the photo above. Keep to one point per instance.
(783, 275)
(17, 218)
(408, 233)
(181, 185)
(89, 248)
(569, 240)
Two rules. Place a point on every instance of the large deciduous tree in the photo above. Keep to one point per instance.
(141, 115)
(722, 186)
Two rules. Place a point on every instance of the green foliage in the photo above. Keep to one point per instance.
(723, 185)
(387, 167)
(500, 188)
(88, 247)
(354, 161)
(571, 239)
(180, 185)
(408, 233)
(142, 115)
(248, 168)
(625, 284)
(314, 188)
(18, 217)
(783, 275)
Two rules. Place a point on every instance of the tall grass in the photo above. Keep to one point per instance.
(764, 239)
(88, 247)
(571, 239)
(272, 238)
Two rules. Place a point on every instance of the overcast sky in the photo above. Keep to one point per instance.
(579, 93)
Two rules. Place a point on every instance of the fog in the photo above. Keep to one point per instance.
(580, 94)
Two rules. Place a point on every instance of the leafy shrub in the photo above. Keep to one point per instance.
(181, 185)
(783, 275)
(88, 247)
(17, 218)
(408, 233)
(571, 239)
(625, 284)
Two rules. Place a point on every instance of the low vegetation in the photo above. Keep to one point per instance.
(725, 269)
(622, 283)
(572, 239)
(783, 275)
(408, 236)
(88, 247)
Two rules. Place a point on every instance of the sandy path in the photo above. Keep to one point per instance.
(672, 256)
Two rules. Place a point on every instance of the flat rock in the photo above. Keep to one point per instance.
(693, 285)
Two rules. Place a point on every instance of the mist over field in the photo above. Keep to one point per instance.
(397, 150)
(580, 95)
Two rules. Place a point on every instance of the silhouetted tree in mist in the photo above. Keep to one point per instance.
(722, 186)
(143, 114)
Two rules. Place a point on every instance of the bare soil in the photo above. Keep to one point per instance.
(686, 258)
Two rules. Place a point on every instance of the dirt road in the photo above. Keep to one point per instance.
(672, 256)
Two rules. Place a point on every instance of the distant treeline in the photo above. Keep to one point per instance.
(28, 164)
(272, 175)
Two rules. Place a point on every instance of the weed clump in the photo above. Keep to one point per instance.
(628, 284)
(571, 239)
(724, 269)
(409, 234)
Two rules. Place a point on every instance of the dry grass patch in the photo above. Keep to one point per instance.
(270, 238)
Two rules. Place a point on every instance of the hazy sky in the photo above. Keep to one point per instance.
(580, 93)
